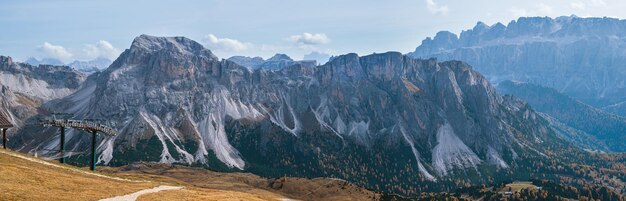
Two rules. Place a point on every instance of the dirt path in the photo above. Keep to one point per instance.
(135, 195)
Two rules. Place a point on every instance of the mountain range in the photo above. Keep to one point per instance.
(45, 61)
(395, 123)
(584, 58)
(91, 66)
(369, 119)
(87, 67)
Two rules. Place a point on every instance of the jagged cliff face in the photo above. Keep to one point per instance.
(365, 119)
(581, 57)
(24, 87)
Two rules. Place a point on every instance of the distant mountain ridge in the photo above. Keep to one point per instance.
(320, 57)
(87, 67)
(91, 66)
(278, 61)
(584, 58)
(45, 61)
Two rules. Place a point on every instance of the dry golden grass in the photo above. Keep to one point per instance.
(517, 186)
(204, 194)
(26, 180)
(261, 188)
(22, 179)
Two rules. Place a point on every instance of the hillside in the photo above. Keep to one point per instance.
(28, 178)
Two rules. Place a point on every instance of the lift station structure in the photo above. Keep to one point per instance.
(88, 125)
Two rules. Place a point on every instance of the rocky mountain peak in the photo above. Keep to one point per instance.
(443, 39)
(481, 25)
(161, 59)
(280, 57)
(180, 45)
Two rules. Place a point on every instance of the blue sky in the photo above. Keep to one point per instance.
(83, 30)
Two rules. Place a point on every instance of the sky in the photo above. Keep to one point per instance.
(83, 30)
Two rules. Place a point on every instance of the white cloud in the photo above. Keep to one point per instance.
(226, 44)
(55, 51)
(308, 39)
(102, 49)
(436, 9)
(578, 5)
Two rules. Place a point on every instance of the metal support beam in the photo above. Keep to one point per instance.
(93, 150)
(62, 146)
(4, 138)
(87, 125)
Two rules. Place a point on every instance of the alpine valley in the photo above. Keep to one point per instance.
(392, 123)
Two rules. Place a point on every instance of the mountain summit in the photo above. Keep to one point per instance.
(182, 45)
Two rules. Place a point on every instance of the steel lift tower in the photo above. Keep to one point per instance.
(88, 125)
